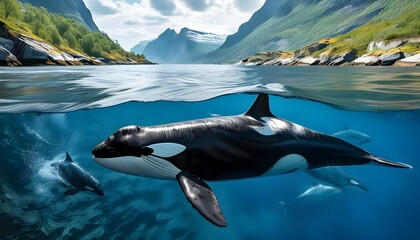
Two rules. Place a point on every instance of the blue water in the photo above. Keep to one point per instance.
(47, 111)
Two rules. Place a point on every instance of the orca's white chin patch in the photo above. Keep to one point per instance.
(145, 166)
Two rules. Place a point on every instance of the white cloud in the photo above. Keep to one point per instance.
(198, 5)
(247, 5)
(131, 21)
(164, 7)
(103, 7)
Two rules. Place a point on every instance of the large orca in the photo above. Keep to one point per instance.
(75, 178)
(253, 144)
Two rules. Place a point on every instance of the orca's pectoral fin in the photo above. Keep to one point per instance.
(71, 191)
(202, 198)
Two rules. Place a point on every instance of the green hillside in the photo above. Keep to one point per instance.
(307, 21)
(397, 36)
(64, 33)
(406, 25)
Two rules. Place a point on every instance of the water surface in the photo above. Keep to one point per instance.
(61, 89)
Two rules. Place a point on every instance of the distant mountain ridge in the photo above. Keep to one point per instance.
(287, 25)
(139, 47)
(75, 9)
(187, 46)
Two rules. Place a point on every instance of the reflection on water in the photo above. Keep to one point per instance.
(58, 89)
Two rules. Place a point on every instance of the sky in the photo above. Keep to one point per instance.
(132, 21)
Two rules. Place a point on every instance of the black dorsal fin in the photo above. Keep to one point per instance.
(68, 157)
(260, 108)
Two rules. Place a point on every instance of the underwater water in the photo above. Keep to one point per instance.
(48, 111)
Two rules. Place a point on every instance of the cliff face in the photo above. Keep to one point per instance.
(75, 9)
(17, 50)
(186, 47)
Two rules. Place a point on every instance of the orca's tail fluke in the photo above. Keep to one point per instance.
(383, 162)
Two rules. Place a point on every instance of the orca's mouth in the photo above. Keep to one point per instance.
(104, 150)
(100, 192)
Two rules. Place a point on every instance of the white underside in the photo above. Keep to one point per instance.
(145, 166)
(321, 192)
(286, 164)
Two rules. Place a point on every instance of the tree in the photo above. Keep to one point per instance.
(11, 7)
(54, 35)
(71, 39)
(63, 26)
(37, 26)
(87, 43)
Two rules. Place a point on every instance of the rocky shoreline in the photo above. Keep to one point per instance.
(22, 50)
(380, 53)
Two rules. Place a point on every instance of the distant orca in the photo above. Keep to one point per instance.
(338, 177)
(352, 136)
(75, 178)
(250, 145)
(313, 196)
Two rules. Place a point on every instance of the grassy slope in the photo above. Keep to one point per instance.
(402, 26)
(307, 24)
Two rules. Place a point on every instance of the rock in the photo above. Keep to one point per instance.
(409, 61)
(310, 49)
(345, 58)
(406, 55)
(288, 61)
(6, 44)
(85, 60)
(325, 59)
(366, 60)
(69, 59)
(382, 45)
(7, 58)
(273, 62)
(308, 61)
(32, 52)
(390, 58)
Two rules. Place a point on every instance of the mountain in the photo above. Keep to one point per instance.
(139, 47)
(186, 47)
(281, 25)
(75, 9)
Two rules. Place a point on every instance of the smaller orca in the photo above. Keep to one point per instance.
(75, 178)
(313, 196)
(337, 176)
(352, 136)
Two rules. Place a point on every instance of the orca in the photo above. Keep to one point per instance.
(75, 178)
(314, 196)
(253, 144)
(352, 136)
(338, 177)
